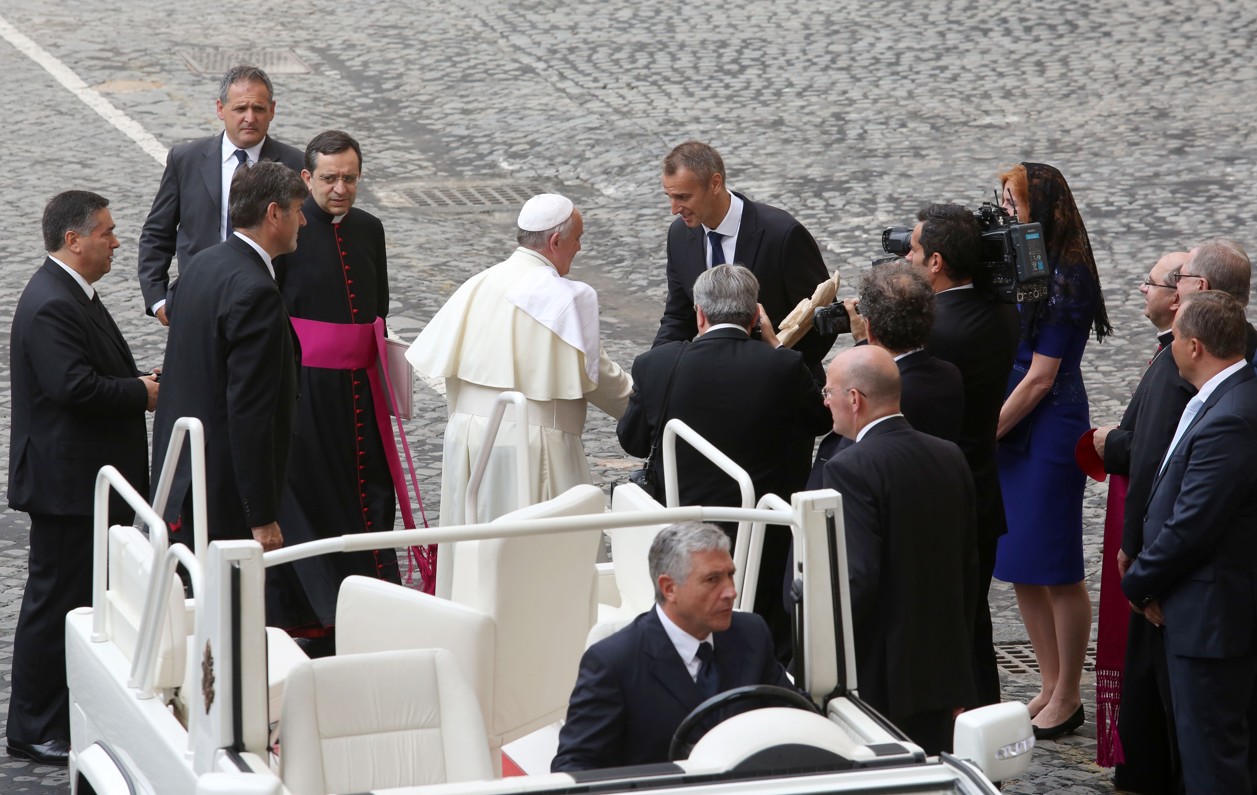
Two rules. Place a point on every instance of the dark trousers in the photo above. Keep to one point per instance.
(1215, 708)
(931, 729)
(1145, 722)
(985, 670)
(59, 579)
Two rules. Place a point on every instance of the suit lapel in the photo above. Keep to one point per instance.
(98, 315)
(212, 173)
(1230, 383)
(749, 235)
(665, 664)
(695, 258)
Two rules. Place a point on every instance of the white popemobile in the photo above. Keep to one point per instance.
(197, 696)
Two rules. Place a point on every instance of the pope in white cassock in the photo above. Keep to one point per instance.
(521, 326)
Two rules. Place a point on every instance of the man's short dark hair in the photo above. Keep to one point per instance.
(898, 304)
(331, 142)
(253, 188)
(1217, 320)
(953, 232)
(71, 211)
(727, 294)
(671, 550)
(244, 73)
(698, 158)
(1226, 265)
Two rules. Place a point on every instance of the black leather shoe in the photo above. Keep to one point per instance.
(53, 752)
(1069, 726)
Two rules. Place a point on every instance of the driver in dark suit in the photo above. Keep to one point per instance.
(635, 687)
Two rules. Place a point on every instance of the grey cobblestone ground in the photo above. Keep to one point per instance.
(849, 114)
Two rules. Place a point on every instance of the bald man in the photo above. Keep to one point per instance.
(1134, 447)
(911, 526)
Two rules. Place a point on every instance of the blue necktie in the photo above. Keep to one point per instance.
(708, 680)
(717, 250)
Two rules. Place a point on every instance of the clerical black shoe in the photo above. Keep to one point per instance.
(52, 752)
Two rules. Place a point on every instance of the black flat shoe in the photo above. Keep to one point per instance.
(1069, 726)
(53, 752)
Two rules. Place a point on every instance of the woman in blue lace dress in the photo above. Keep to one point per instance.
(1044, 414)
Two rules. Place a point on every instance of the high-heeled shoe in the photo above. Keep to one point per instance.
(1068, 726)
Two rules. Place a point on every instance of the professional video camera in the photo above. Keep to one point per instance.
(1014, 259)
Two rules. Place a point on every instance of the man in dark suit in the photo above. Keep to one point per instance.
(635, 687)
(978, 334)
(1195, 575)
(78, 405)
(231, 362)
(770, 242)
(1135, 448)
(896, 312)
(189, 212)
(758, 404)
(909, 513)
(1219, 264)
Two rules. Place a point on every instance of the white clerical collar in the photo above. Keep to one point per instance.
(78, 277)
(968, 286)
(1212, 383)
(875, 422)
(685, 643)
(908, 353)
(733, 218)
(266, 258)
(229, 150)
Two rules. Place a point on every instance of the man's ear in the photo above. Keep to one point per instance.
(667, 587)
(935, 263)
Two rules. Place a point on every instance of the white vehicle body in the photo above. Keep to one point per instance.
(176, 696)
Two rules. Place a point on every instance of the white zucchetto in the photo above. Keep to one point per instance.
(544, 211)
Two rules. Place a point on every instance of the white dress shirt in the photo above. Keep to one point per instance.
(78, 277)
(261, 252)
(229, 170)
(729, 228)
(685, 643)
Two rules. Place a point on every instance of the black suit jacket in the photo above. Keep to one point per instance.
(979, 335)
(231, 361)
(1200, 530)
(1136, 446)
(633, 691)
(758, 404)
(77, 402)
(781, 253)
(186, 214)
(909, 511)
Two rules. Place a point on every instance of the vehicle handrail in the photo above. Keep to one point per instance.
(354, 542)
(107, 479)
(522, 482)
(144, 665)
(755, 549)
(746, 486)
(192, 428)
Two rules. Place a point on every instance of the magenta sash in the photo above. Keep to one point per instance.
(358, 346)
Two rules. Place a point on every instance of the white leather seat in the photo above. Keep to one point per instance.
(130, 571)
(519, 612)
(630, 547)
(385, 719)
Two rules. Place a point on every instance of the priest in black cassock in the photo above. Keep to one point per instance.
(335, 285)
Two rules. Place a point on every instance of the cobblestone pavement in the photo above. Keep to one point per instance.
(849, 114)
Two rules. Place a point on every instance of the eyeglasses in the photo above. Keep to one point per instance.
(331, 179)
(827, 393)
(1151, 283)
(1178, 277)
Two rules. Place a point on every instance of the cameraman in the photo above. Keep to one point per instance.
(978, 334)
(896, 311)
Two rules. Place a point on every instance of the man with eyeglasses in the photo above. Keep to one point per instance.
(189, 212)
(340, 469)
(1219, 264)
(912, 555)
(1134, 447)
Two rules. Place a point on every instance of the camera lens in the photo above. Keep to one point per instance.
(897, 240)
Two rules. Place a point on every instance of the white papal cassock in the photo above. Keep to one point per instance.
(518, 326)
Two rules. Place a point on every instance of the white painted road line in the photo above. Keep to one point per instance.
(90, 97)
